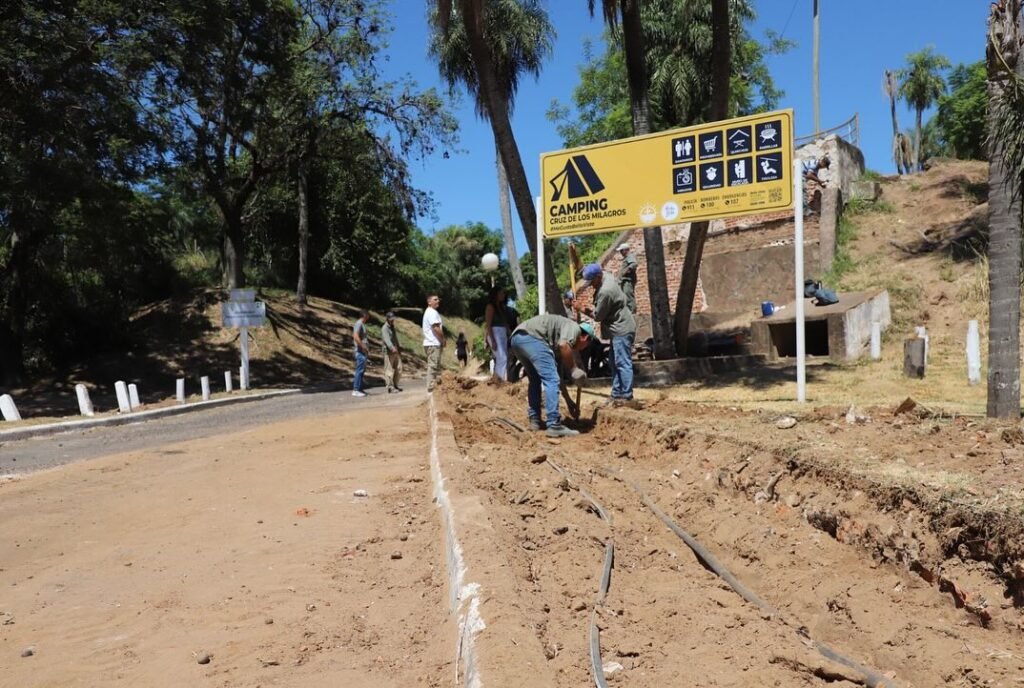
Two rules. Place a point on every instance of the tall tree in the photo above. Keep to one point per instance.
(628, 13)
(921, 84)
(335, 83)
(471, 15)
(960, 119)
(71, 140)
(218, 63)
(521, 37)
(1005, 75)
(891, 87)
(721, 69)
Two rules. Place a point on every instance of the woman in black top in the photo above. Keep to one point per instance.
(460, 350)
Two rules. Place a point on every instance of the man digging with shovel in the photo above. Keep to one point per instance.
(541, 344)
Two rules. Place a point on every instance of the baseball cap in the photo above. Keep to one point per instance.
(588, 329)
(568, 294)
(591, 271)
(623, 247)
(390, 315)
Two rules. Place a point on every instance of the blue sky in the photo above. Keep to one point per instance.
(859, 41)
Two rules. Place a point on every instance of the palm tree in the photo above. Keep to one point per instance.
(921, 84)
(721, 71)
(521, 37)
(628, 12)
(1005, 70)
(471, 16)
(891, 87)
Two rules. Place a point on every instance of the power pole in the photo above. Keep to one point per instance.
(815, 59)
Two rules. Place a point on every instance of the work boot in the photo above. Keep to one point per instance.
(560, 430)
(535, 425)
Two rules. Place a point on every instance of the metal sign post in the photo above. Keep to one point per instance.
(541, 295)
(243, 312)
(798, 273)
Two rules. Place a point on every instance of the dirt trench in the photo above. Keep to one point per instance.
(895, 579)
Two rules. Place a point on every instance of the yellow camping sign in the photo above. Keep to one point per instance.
(722, 169)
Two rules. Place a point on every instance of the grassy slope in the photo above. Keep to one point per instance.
(183, 338)
(941, 289)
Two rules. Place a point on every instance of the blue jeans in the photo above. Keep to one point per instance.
(621, 363)
(539, 364)
(357, 384)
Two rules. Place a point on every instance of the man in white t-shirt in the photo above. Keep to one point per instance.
(433, 340)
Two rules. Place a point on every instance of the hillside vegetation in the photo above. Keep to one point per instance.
(300, 346)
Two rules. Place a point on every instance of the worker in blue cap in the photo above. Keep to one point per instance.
(618, 324)
(542, 344)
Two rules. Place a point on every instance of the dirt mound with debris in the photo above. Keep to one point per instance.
(893, 540)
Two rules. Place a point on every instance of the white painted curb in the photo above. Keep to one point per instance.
(464, 597)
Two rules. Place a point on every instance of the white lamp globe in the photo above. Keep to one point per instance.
(490, 262)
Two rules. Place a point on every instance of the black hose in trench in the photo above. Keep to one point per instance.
(596, 666)
(871, 677)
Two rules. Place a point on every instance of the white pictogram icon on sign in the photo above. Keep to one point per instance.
(739, 168)
(684, 178)
(766, 167)
(711, 173)
(739, 136)
(711, 144)
(769, 133)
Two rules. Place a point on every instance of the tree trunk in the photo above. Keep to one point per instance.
(917, 142)
(1004, 218)
(232, 249)
(657, 285)
(303, 175)
(507, 230)
(12, 344)
(721, 70)
(497, 114)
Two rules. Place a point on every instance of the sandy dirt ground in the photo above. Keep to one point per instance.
(893, 539)
(250, 549)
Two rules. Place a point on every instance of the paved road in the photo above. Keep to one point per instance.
(37, 453)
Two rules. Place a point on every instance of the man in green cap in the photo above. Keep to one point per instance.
(541, 344)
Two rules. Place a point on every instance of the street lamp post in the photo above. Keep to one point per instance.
(489, 262)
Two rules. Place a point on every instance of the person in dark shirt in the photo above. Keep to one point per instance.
(460, 350)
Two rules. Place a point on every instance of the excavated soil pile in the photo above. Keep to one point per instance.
(895, 540)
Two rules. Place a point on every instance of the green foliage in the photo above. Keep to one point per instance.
(859, 206)
(447, 263)
(843, 262)
(679, 67)
(478, 348)
(136, 137)
(870, 176)
(961, 118)
(921, 82)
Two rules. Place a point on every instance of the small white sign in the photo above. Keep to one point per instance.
(243, 295)
(244, 313)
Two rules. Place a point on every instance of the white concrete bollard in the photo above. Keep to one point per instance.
(179, 390)
(8, 409)
(124, 405)
(133, 396)
(227, 381)
(243, 381)
(922, 333)
(204, 382)
(876, 341)
(84, 402)
(973, 353)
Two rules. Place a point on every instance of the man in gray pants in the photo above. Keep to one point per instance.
(392, 354)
